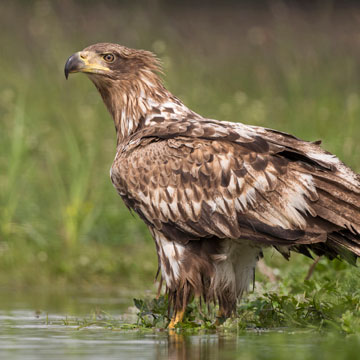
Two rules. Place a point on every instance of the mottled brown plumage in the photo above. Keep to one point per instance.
(212, 193)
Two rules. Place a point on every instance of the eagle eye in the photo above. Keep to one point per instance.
(109, 58)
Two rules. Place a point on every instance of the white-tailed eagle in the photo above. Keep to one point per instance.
(214, 193)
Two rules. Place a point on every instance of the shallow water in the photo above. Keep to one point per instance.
(28, 332)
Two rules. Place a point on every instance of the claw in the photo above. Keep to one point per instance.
(177, 318)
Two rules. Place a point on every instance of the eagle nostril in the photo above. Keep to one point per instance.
(82, 56)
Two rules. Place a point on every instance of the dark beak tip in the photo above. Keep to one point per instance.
(67, 67)
(72, 64)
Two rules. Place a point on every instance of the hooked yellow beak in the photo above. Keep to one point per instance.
(86, 62)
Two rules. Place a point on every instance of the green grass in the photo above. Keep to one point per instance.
(322, 304)
(62, 223)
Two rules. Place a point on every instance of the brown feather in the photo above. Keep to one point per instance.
(213, 193)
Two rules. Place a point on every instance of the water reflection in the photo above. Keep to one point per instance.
(28, 334)
(198, 347)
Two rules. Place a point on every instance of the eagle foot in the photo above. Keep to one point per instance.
(176, 319)
(220, 317)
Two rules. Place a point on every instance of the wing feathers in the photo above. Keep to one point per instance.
(204, 179)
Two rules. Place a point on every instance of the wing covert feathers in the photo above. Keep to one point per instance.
(196, 179)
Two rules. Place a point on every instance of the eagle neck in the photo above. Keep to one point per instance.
(131, 101)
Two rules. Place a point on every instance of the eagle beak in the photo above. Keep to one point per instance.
(84, 61)
(73, 64)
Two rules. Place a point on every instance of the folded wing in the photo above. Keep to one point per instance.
(228, 180)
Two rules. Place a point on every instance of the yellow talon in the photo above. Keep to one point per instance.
(176, 319)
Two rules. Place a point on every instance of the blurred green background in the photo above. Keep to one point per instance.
(276, 64)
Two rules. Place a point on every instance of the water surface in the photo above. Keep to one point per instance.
(54, 331)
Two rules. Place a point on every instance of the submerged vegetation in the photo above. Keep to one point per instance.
(61, 222)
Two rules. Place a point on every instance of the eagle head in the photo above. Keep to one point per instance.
(127, 80)
(111, 61)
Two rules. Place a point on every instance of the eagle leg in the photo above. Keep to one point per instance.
(176, 319)
(220, 317)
